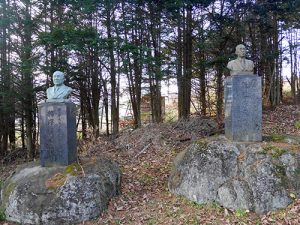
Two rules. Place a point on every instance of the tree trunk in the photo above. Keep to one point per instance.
(26, 59)
(188, 62)
(203, 88)
(155, 74)
(113, 74)
(179, 75)
(185, 58)
(7, 99)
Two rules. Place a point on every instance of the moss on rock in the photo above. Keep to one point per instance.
(7, 190)
(282, 138)
(60, 195)
(274, 151)
(58, 179)
(74, 169)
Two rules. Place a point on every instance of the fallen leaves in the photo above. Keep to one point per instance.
(146, 156)
(283, 120)
(145, 198)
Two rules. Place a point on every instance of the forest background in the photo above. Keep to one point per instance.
(108, 48)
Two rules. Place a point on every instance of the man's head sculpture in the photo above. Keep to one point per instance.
(58, 78)
(241, 65)
(240, 51)
(59, 92)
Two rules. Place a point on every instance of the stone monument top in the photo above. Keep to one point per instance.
(241, 65)
(59, 92)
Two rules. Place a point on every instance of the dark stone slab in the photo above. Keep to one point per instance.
(243, 108)
(58, 144)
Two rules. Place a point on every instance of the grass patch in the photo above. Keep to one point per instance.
(213, 205)
(276, 138)
(278, 152)
(274, 151)
(151, 221)
(282, 138)
(241, 213)
(297, 124)
(196, 204)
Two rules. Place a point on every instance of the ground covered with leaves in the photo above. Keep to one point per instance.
(146, 155)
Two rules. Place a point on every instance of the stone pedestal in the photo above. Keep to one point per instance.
(58, 144)
(243, 108)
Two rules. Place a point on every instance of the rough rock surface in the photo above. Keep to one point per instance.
(60, 195)
(236, 175)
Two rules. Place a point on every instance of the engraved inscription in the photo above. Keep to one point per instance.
(57, 134)
(53, 152)
(247, 87)
(243, 108)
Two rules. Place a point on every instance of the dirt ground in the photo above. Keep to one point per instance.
(145, 156)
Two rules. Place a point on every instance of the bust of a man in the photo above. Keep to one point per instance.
(59, 92)
(241, 65)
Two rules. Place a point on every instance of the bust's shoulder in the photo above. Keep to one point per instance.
(249, 61)
(231, 63)
(49, 89)
(67, 89)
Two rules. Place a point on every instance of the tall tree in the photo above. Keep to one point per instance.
(154, 64)
(110, 15)
(7, 109)
(23, 46)
(133, 59)
(185, 61)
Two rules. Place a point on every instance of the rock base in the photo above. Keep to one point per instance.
(257, 177)
(60, 195)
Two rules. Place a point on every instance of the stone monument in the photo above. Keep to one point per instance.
(58, 125)
(62, 193)
(243, 100)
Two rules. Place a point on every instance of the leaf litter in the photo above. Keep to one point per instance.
(145, 156)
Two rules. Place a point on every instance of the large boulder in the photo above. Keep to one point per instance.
(253, 176)
(60, 195)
